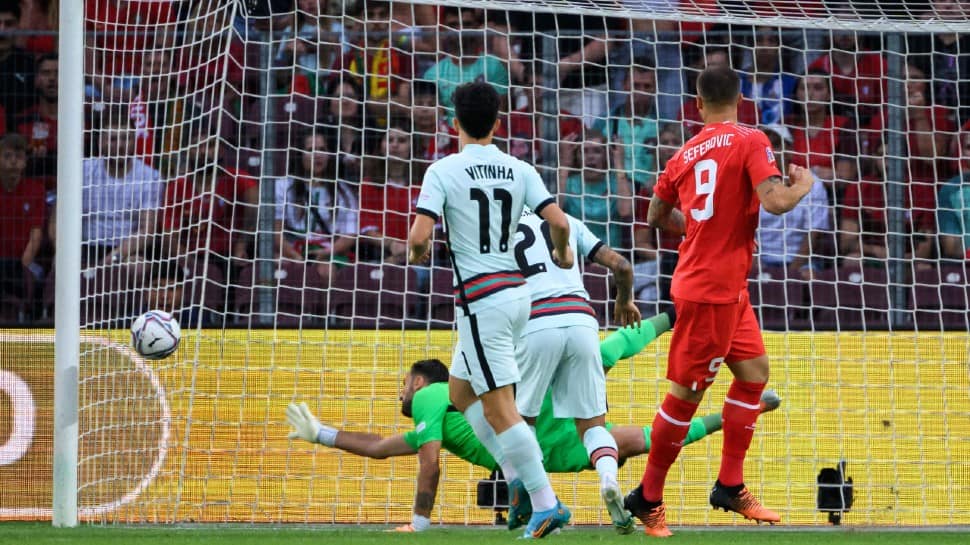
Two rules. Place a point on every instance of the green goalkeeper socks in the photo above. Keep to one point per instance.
(629, 341)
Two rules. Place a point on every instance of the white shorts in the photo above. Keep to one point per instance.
(485, 353)
(567, 361)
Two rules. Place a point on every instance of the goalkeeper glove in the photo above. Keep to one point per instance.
(307, 427)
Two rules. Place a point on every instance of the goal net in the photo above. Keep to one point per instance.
(252, 166)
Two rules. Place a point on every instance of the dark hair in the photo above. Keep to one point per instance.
(719, 85)
(46, 57)
(432, 370)
(10, 6)
(13, 141)
(424, 87)
(476, 107)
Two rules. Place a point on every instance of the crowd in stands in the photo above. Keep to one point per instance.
(287, 151)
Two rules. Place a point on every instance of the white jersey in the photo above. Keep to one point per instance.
(559, 298)
(480, 193)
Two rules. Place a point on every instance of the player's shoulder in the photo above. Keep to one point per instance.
(432, 395)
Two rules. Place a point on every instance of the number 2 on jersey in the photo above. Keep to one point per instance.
(529, 238)
(705, 178)
(484, 218)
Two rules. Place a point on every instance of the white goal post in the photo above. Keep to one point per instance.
(252, 164)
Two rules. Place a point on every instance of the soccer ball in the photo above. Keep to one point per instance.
(155, 334)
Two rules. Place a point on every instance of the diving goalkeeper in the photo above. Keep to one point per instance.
(438, 425)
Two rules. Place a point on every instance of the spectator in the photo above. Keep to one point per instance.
(471, 63)
(120, 195)
(764, 78)
(312, 45)
(21, 219)
(16, 65)
(929, 128)
(633, 126)
(590, 191)
(690, 115)
(792, 239)
(38, 124)
(380, 66)
(863, 219)
(823, 142)
(208, 207)
(652, 268)
(953, 208)
(432, 137)
(943, 57)
(387, 198)
(348, 123)
(316, 213)
(858, 77)
(39, 16)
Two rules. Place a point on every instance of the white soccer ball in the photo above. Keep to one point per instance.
(155, 334)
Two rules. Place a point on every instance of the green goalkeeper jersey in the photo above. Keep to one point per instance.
(435, 419)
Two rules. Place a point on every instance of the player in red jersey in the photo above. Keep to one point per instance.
(710, 191)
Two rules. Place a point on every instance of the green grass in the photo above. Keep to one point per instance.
(19, 533)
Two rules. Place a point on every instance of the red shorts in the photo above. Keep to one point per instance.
(707, 335)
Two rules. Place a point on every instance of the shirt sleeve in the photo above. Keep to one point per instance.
(587, 244)
(760, 159)
(537, 196)
(431, 200)
(819, 217)
(371, 217)
(152, 190)
(664, 189)
(428, 411)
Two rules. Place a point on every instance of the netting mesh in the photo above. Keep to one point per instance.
(253, 167)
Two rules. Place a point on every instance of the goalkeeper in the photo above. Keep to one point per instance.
(438, 425)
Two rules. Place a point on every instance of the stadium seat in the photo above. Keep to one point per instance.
(369, 295)
(940, 298)
(596, 279)
(778, 301)
(851, 298)
(441, 303)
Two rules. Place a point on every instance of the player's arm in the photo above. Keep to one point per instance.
(559, 233)
(419, 239)
(664, 215)
(777, 198)
(626, 313)
(431, 205)
(429, 473)
(371, 445)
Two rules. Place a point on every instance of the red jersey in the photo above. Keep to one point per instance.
(24, 209)
(713, 179)
(819, 150)
(187, 211)
(387, 209)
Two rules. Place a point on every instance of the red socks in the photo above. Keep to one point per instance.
(741, 409)
(670, 428)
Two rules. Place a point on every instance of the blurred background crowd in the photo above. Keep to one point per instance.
(275, 159)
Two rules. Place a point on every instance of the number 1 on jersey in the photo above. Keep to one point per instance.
(484, 218)
(705, 178)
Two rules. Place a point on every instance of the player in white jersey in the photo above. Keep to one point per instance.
(480, 193)
(560, 352)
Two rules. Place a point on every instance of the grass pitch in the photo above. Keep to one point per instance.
(44, 534)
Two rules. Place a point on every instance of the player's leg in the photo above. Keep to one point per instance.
(742, 405)
(633, 441)
(696, 352)
(579, 392)
(537, 354)
(629, 341)
(488, 341)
